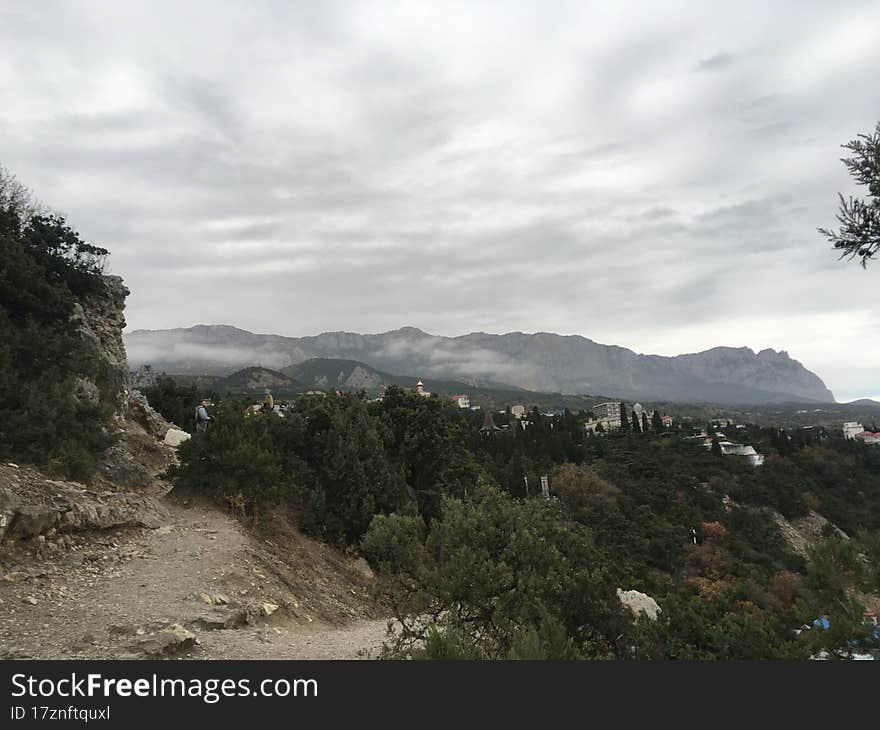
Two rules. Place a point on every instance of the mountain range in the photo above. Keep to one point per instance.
(542, 361)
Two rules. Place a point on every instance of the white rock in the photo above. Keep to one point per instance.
(638, 602)
(269, 608)
(174, 437)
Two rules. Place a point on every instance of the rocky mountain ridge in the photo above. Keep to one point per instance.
(540, 362)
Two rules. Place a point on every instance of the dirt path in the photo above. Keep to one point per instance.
(111, 595)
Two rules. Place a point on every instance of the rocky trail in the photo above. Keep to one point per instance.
(198, 587)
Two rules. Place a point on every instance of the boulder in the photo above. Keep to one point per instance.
(166, 642)
(142, 412)
(639, 603)
(220, 617)
(175, 437)
(31, 505)
(123, 470)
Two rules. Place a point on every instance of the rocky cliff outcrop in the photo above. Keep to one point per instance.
(802, 533)
(101, 320)
(128, 474)
(31, 505)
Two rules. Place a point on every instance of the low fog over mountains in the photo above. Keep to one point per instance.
(542, 362)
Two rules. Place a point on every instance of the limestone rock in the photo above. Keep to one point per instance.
(166, 642)
(802, 533)
(220, 617)
(100, 319)
(121, 468)
(269, 608)
(639, 602)
(175, 437)
(141, 411)
(32, 505)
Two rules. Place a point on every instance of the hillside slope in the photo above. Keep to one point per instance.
(114, 594)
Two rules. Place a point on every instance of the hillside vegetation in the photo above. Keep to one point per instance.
(475, 563)
(47, 414)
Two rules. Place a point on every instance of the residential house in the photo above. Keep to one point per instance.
(851, 429)
(867, 437)
(745, 450)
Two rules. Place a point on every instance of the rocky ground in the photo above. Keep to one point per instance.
(199, 586)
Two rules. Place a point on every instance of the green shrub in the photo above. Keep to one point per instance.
(44, 269)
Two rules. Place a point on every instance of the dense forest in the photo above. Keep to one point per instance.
(475, 562)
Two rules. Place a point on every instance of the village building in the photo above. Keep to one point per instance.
(605, 414)
(462, 401)
(518, 411)
(867, 437)
(420, 389)
(851, 429)
(744, 450)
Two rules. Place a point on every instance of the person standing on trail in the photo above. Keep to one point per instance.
(202, 417)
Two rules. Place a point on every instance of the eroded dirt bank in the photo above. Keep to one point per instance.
(199, 587)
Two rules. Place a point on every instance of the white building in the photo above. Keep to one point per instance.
(851, 429)
(518, 411)
(605, 414)
(463, 401)
(607, 411)
(746, 450)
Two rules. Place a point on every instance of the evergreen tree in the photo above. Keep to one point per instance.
(634, 422)
(859, 233)
(657, 422)
(624, 423)
(644, 422)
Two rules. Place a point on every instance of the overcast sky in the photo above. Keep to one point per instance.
(645, 174)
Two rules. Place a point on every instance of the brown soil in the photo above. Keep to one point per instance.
(99, 595)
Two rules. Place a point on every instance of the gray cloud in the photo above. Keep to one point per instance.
(299, 167)
(717, 61)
